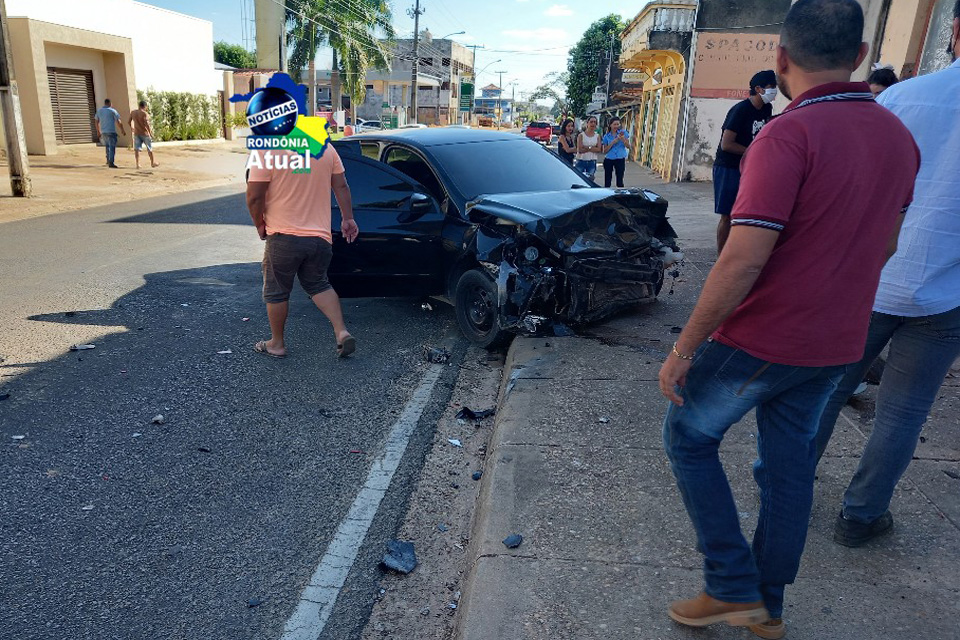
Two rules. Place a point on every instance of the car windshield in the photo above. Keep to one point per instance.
(505, 166)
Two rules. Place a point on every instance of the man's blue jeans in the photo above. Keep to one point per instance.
(110, 142)
(921, 352)
(722, 386)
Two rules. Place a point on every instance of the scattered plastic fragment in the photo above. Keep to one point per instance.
(400, 556)
(426, 306)
(136, 435)
(469, 414)
(82, 347)
(436, 355)
(245, 319)
(561, 330)
(356, 451)
(425, 611)
(224, 352)
(603, 420)
(158, 419)
(514, 541)
(88, 507)
(254, 602)
(184, 304)
(442, 528)
(19, 437)
(204, 450)
(676, 329)
(452, 605)
(455, 442)
(477, 475)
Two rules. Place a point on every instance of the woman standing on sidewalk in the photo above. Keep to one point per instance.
(588, 146)
(567, 143)
(615, 148)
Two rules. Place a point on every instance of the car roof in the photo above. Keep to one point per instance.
(439, 136)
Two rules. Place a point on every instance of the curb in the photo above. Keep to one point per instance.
(483, 499)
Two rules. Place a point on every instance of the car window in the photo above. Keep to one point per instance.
(505, 166)
(370, 150)
(540, 125)
(409, 163)
(374, 188)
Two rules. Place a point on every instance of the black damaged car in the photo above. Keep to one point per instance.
(500, 227)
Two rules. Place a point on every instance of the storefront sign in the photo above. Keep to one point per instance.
(725, 62)
(466, 96)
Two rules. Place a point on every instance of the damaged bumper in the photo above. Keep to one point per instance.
(607, 252)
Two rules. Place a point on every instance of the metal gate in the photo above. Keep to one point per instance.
(71, 94)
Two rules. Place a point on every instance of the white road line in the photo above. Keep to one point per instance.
(320, 595)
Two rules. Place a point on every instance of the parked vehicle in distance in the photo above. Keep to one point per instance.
(539, 131)
(413, 125)
(524, 245)
(364, 126)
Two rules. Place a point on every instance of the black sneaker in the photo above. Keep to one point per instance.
(113, 166)
(850, 533)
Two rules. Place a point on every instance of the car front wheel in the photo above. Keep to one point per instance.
(477, 313)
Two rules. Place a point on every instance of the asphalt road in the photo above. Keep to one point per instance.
(114, 527)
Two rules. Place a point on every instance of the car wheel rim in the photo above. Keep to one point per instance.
(480, 310)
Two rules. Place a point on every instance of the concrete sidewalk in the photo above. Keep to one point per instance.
(577, 467)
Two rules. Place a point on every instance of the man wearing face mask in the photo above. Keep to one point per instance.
(744, 121)
(917, 308)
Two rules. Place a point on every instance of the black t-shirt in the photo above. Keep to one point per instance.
(746, 120)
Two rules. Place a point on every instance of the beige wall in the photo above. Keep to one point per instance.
(31, 42)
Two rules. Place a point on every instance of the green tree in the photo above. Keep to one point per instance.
(359, 32)
(587, 57)
(234, 55)
(554, 88)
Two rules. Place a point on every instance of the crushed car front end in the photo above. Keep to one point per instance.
(573, 257)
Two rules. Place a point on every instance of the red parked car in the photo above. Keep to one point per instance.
(540, 131)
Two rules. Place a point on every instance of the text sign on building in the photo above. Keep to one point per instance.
(725, 62)
(466, 96)
(635, 77)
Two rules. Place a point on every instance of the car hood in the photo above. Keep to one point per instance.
(583, 220)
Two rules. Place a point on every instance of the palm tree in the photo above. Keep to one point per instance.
(358, 31)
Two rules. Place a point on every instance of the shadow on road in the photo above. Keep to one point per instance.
(117, 526)
(230, 209)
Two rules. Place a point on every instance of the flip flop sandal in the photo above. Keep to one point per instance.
(348, 346)
(261, 347)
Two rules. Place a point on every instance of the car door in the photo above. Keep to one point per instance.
(398, 250)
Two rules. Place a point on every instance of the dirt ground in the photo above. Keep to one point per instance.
(78, 178)
(422, 605)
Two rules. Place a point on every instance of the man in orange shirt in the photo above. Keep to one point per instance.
(291, 211)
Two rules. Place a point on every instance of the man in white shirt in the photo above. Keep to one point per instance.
(917, 308)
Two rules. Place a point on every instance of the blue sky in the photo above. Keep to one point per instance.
(529, 37)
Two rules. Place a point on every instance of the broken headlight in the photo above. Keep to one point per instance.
(531, 254)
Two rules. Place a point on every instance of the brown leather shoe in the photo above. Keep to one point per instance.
(704, 610)
(772, 629)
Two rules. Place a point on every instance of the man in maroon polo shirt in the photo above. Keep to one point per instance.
(784, 310)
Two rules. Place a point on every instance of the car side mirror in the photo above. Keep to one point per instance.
(420, 202)
(420, 205)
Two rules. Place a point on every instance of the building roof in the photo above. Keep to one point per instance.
(491, 87)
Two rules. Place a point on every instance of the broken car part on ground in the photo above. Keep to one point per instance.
(524, 244)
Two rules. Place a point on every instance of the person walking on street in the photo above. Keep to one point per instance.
(107, 120)
(784, 311)
(742, 124)
(588, 146)
(292, 214)
(567, 142)
(142, 133)
(615, 150)
(917, 308)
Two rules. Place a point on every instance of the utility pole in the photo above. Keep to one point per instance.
(312, 70)
(415, 12)
(12, 118)
(609, 72)
(500, 98)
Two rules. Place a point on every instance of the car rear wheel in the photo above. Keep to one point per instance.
(475, 302)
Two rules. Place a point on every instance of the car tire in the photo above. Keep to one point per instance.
(475, 302)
